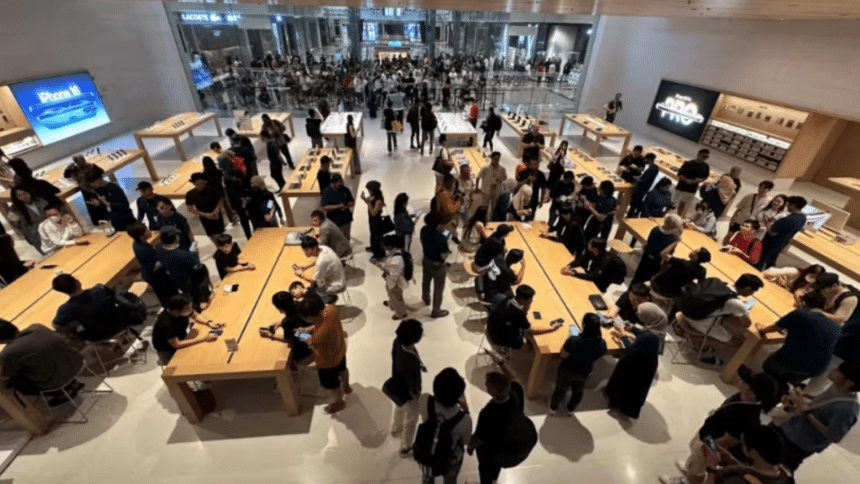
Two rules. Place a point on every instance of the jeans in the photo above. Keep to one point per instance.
(568, 376)
(392, 138)
(406, 418)
(435, 272)
(407, 242)
(494, 297)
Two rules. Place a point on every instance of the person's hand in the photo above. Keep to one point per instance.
(544, 235)
(266, 333)
(196, 249)
(82, 242)
(798, 399)
(566, 271)
(215, 325)
(210, 338)
(616, 334)
(29, 263)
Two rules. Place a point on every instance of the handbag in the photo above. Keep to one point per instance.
(386, 225)
(394, 389)
(397, 125)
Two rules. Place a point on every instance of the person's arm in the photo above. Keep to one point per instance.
(140, 210)
(376, 209)
(185, 343)
(844, 311)
(755, 253)
(668, 251)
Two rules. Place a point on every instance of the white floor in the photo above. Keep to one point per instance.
(138, 435)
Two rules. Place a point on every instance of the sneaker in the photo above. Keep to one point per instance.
(404, 453)
(397, 318)
(440, 314)
(426, 302)
(385, 303)
(673, 480)
(713, 361)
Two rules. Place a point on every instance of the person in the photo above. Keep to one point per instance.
(375, 201)
(649, 315)
(406, 369)
(435, 250)
(562, 196)
(508, 324)
(797, 281)
(659, 246)
(336, 202)
(775, 211)
(658, 200)
(183, 266)
(328, 343)
(675, 273)
(499, 277)
(388, 118)
(276, 164)
(27, 214)
(732, 317)
(312, 128)
(602, 212)
(59, 230)
(718, 195)
(703, 220)
(11, 266)
(146, 204)
(330, 235)
(415, 126)
(428, 126)
(593, 265)
(226, 256)
(532, 144)
(328, 278)
(578, 355)
(404, 222)
(395, 101)
(291, 326)
(236, 176)
(37, 187)
(556, 165)
(78, 171)
(150, 270)
(215, 180)
(690, 175)
(493, 246)
(539, 185)
(633, 160)
(262, 208)
(464, 189)
(628, 386)
(749, 206)
(393, 271)
(841, 301)
(475, 230)
(473, 112)
(520, 209)
(38, 359)
(244, 148)
(170, 330)
(491, 126)
(782, 231)
(447, 408)
(443, 164)
(113, 197)
(168, 216)
(567, 232)
(643, 185)
(612, 108)
(744, 243)
(279, 133)
(809, 342)
(448, 206)
(350, 140)
(88, 314)
(324, 173)
(489, 180)
(825, 419)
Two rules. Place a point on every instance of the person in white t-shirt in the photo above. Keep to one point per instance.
(59, 230)
(328, 279)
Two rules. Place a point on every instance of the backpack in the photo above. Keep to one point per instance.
(408, 266)
(616, 270)
(434, 445)
(703, 298)
(519, 440)
(129, 308)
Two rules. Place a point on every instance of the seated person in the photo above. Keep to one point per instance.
(88, 314)
(171, 327)
(568, 232)
(675, 273)
(492, 247)
(703, 221)
(500, 276)
(38, 359)
(298, 290)
(798, 281)
(293, 327)
(328, 279)
(227, 256)
(330, 235)
(594, 265)
(59, 230)
(809, 342)
(508, 321)
(725, 324)
(744, 243)
(840, 301)
(658, 200)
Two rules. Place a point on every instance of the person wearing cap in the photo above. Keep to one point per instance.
(79, 170)
(660, 245)
(147, 204)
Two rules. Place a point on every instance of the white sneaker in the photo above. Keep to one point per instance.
(673, 480)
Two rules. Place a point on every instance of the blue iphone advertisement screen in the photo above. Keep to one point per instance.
(61, 107)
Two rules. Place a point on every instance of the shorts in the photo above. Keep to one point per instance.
(330, 377)
(689, 198)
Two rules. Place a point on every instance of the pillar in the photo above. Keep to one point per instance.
(353, 30)
(457, 31)
(431, 34)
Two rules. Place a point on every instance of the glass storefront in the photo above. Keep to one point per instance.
(253, 57)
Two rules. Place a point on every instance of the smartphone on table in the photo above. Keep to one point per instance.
(193, 246)
(597, 302)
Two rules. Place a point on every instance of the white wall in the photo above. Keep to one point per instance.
(813, 65)
(126, 45)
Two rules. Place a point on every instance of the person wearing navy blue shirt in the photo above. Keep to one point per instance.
(337, 202)
(435, 247)
(146, 204)
(781, 232)
(660, 245)
(276, 163)
(147, 257)
(577, 360)
(119, 210)
(602, 212)
(658, 200)
(180, 264)
(643, 186)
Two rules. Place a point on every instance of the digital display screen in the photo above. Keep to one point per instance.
(200, 74)
(61, 107)
(682, 109)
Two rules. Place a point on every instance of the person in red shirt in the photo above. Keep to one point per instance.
(473, 112)
(744, 243)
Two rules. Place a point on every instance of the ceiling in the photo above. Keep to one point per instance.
(752, 9)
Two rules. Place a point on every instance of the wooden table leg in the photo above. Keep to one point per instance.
(150, 167)
(622, 230)
(626, 143)
(561, 126)
(287, 389)
(185, 400)
(139, 142)
(361, 127)
(598, 140)
(288, 211)
(535, 374)
(218, 126)
(179, 149)
(624, 202)
(292, 127)
(752, 343)
(26, 415)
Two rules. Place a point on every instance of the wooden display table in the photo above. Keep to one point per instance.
(588, 166)
(455, 126)
(522, 127)
(176, 126)
(823, 245)
(257, 124)
(334, 125)
(599, 128)
(670, 162)
(109, 161)
(243, 312)
(303, 180)
(772, 301)
(179, 183)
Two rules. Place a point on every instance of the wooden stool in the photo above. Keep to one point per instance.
(619, 247)
(138, 288)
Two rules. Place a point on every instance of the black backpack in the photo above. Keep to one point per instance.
(703, 298)
(129, 308)
(408, 266)
(616, 270)
(434, 445)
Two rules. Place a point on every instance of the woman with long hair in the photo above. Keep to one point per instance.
(215, 179)
(375, 204)
(798, 281)
(775, 211)
(475, 230)
(26, 214)
(556, 165)
(404, 222)
(36, 187)
(350, 140)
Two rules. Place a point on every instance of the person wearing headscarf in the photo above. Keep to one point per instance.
(660, 245)
(631, 380)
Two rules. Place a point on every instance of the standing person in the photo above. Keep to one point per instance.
(312, 128)
(690, 175)
(404, 222)
(750, 206)
(146, 204)
(11, 266)
(447, 420)
(151, 272)
(236, 178)
(215, 180)
(330, 235)
(556, 165)
(27, 213)
(446, 92)
(324, 173)
(782, 231)
(414, 120)
(328, 343)
(436, 251)
(448, 206)
(279, 134)
(388, 125)
(375, 205)
(336, 202)
(59, 230)
(79, 170)
(578, 356)
(242, 147)
(475, 231)
(205, 202)
(406, 369)
(168, 216)
(394, 272)
(395, 102)
(602, 212)
(774, 211)
(612, 108)
(428, 126)
(113, 197)
(489, 181)
(631, 379)
(643, 185)
(660, 245)
(491, 126)
(262, 208)
(180, 264)
(350, 140)
(276, 164)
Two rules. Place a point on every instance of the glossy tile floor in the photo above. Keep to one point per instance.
(137, 434)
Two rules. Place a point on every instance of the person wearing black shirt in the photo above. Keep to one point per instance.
(578, 356)
(337, 201)
(690, 175)
(491, 126)
(147, 256)
(181, 265)
(324, 173)
(562, 195)
(111, 195)
(88, 314)
(312, 128)
(643, 185)
(146, 204)
(568, 232)
(168, 216)
(508, 322)
(591, 265)
(602, 212)
(631, 166)
(171, 328)
(276, 164)
(612, 108)
(492, 247)
(243, 148)
(227, 256)
(300, 352)
(586, 195)
(674, 274)
(435, 248)
(781, 232)
(499, 276)
(262, 208)
(205, 202)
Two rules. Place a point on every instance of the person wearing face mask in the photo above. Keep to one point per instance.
(168, 216)
(59, 230)
(227, 255)
(337, 201)
(330, 235)
(27, 214)
(703, 220)
(744, 243)
(170, 330)
(205, 202)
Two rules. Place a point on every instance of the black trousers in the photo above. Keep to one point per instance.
(276, 169)
(285, 149)
(234, 193)
(568, 376)
(488, 467)
(488, 138)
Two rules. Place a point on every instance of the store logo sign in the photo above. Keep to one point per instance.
(210, 18)
(680, 109)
